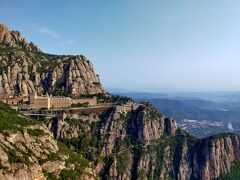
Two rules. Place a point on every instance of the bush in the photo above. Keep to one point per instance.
(51, 157)
(1, 166)
(72, 121)
(49, 175)
(84, 144)
(35, 132)
(70, 174)
(12, 120)
(73, 157)
(14, 158)
(123, 161)
(234, 174)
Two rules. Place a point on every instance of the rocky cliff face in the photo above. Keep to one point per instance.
(28, 151)
(14, 39)
(213, 156)
(123, 142)
(119, 144)
(24, 69)
(143, 144)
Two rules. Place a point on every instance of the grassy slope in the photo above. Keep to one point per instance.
(14, 121)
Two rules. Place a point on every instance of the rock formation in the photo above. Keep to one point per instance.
(126, 141)
(143, 144)
(13, 39)
(24, 70)
(28, 151)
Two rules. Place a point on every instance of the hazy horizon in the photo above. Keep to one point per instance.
(169, 90)
(139, 45)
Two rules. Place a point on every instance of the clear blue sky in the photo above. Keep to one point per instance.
(139, 45)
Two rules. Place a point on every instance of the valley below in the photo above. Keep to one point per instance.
(58, 122)
(202, 114)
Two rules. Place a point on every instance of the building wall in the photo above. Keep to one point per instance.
(90, 101)
(32, 98)
(42, 103)
(13, 101)
(60, 102)
(46, 102)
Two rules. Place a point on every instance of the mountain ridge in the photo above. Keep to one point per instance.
(25, 70)
(129, 140)
(15, 40)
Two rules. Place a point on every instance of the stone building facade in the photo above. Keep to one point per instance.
(90, 101)
(56, 102)
(60, 102)
(39, 102)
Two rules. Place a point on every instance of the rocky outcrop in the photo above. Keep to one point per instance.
(137, 143)
(148, 124)
(141, 143)
(170, 126)
(14, 148)
(14, 39)
(25, 70)
(214, 156)
(128, 141)
(28, 150)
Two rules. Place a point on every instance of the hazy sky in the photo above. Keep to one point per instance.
(142, 45)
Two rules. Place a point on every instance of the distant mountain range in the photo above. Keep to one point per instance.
(202, 114)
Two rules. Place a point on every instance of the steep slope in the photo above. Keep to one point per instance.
(126, 141)
(13, 39)
(28, 151)
(143, 144)
(25, 70)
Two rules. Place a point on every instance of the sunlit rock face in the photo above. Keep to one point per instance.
(26, 70)
(126, 141)
(15, 40)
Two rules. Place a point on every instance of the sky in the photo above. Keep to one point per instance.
(139, 45)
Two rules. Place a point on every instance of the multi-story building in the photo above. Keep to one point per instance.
(56, 102)
(39, 102)
(60, 102)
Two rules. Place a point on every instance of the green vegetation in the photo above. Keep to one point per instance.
(57, 91)
(80, 105)
(121, 144)
(12, 120)
(153, 114)
(87, 143)
(174, 143)
(72, 121)
(103, 98)
(84, 144)
(221, 135)
(14, 158)
(35, 132)
(125, 117)
(73, 158)
(51, 157)
(1, 166)
(49, 175)
(122, 162)
(70, 174)
(234, 174)
(83, 113)
(142, 175)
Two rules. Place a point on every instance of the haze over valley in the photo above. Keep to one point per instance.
(119, 90)
(200, 113)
